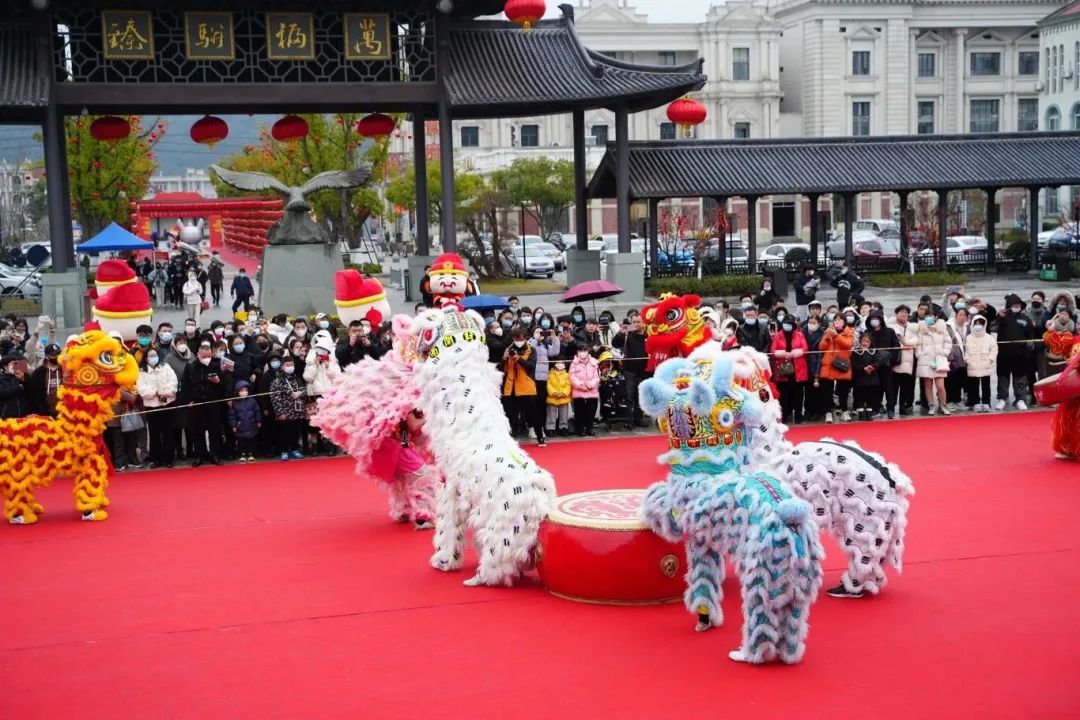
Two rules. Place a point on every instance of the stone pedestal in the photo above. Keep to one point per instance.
(582, 265)
(62, 300)
(626, 271)
(417, 263)
(298, 279)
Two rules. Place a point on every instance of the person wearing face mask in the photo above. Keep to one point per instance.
(204, 385)
(806, 288)
(322, 322)
(164, 336)
(956, 381)
(300, 330)
(321, 371)
(242, 290)
(836, 346)
(178, 356)
(1040, 313)
(287, 398)
(547, 346)
(245, 419)
(981, 351)
(192, 292)
(519, 386)
(728, 337)
(157, 386)
(900, 390)
(886, 345)
(607, 330)
(814, 403)
(577, 316)
(1014, 333)
(44, 383)
(754, 332)
(584, 390)
(766, 298)
(268, 429)
(847, 284)
(525, 318)
(789, 369)
(631, 344)
(589, 335)
(932, 361)
(498, 338)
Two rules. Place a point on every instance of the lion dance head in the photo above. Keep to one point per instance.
(95, 361)
(673, 328)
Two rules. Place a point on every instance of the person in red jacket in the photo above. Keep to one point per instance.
(836, 345)
(789, 369)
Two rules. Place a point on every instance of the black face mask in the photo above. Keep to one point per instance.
(1035, 304)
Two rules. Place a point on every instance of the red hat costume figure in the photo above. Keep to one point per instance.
(1063, 389)
(449, 280)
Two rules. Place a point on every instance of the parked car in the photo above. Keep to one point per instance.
(1046, 235)
(1063, 239)
(963, 249)
(563, 241)
(877, 225)
(525, 263)
(20, 284)
(775, 255)
(865, 244)
(534, 243)
(684, 257)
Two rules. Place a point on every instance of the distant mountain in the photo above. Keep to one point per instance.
(175, 152)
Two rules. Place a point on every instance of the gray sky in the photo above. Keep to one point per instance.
(675, 11)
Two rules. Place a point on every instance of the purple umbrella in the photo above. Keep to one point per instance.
(591, 290)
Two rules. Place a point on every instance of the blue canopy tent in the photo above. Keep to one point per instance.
(114, 239)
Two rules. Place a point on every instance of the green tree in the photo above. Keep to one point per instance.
(332, 143)
(543, 187)
(105, 177)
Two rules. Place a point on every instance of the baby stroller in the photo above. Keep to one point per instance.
(615, 406)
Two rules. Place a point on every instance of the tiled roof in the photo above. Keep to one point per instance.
(666, 169)
(1066, 13)
(496, 69)
(22, 87)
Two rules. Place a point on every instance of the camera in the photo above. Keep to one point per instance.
(512, 351)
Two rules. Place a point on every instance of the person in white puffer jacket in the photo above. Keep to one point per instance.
(157, 386)
(980, 349)
(321, 372)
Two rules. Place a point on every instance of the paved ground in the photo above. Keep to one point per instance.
(992, 288)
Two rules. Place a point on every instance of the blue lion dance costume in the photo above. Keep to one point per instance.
(720, 511)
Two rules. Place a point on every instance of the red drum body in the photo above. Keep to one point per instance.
(1059, 388)
(595, 549)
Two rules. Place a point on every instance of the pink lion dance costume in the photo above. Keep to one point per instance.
(371, 413)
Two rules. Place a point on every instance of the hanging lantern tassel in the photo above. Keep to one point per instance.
(525, 13)
(686, 112)
(209, 131)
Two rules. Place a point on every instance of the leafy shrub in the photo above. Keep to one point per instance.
(1010, 236)
(1018, 250)
(797, 258)
(710, 285)
(919, 279)
(365, 268)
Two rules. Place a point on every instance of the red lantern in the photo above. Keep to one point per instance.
(376, 125)
(289, 129)
(686, 112)
(110, 129)
(525, 13)
(209, 131)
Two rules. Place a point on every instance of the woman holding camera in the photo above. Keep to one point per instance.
(519, 386)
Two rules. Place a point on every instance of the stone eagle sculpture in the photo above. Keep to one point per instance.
(296, 227)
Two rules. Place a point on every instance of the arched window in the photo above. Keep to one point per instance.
(1075, 114)
(1053, 118)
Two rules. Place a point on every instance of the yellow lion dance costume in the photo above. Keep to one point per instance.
(36, 449)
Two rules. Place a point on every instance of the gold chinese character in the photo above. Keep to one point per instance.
(127, 39)
(291, 36)
(370, 44)
(211, 37)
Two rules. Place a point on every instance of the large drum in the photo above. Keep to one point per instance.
(595, 549)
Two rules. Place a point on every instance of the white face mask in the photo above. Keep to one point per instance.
(497, 331)
(978, 329)
(204, 360)
(519, 343)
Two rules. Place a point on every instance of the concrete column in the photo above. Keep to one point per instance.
(58, 198)
(913, 67)
(1033, 226)
(849, 226)
(943, 228)
(905, 231)
(448, 221)
(654, 235)
(991, 253)
(815, 228)
(751, 232)
(423, 234)
(961, 110)
(622, 176)
(581, 202)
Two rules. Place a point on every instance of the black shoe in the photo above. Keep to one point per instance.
(842, 592)
(542, 442)
(905, 411)
(591, 433)
(891, 415)
(196, 463)
(641, 423)
(215, 461)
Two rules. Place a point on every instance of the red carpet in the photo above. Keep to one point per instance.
(281, 590)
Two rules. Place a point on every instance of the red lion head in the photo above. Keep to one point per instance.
(673, 327)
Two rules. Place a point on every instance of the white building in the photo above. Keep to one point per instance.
(194, 180)
(1059, 101)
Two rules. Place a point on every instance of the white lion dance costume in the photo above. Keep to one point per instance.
(862, 498)
(492, 485)
(719, 511)
(371, 413)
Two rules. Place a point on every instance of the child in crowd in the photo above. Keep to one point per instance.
(981, 350)
(558, 399)
(866, 364)
(245, 419)
(585, 390)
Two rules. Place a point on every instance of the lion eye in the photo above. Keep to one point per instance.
(105, 358)
(764, 395)
(672, 315)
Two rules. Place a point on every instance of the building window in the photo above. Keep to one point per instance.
(1076, 68)
(926, 65)
(985, 116)
(742, 130)
(926, 117)
(530, 136)
(1053, 118)
(740, 63)
(1053, 70)
(667, 131)
(1061, 66)
(1075, 113)
(1027, 114)
(860, 62)
(667, 58)
(1047, 69)
(1050, 202)
(1029, 63)
(599, 134)
(985, 63)
(860, 118)
(470, 136)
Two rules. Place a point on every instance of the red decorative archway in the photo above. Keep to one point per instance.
(239, 224)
